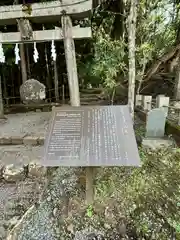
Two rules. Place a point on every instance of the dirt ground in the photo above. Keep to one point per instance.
(20, 154)
(14, 196)
(21, 124)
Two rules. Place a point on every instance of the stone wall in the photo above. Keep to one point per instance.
(19, 140)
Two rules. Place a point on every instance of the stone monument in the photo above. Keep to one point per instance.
(155, 125)
(32, 91)
(155, 130)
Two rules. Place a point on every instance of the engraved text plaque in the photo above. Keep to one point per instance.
(91, 136)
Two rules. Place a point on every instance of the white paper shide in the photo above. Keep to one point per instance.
(2, 56)
(17, 56)
(53, 51)
(36, 54)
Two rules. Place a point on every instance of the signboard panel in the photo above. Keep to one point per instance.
(91, 136)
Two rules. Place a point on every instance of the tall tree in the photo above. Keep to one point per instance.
(132, 50)
(177, 41)
(1, 100)
(117, 7)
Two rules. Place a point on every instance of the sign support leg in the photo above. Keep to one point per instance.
(89, 185)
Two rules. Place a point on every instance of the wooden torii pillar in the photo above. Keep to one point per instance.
(70, 56)
(71, 65)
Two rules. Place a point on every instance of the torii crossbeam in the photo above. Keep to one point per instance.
(45, 35)
(45, 11)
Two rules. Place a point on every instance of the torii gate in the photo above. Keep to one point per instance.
(64, 11)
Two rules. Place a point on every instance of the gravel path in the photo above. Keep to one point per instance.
(15, 199)
(20, 194)
(41, 222)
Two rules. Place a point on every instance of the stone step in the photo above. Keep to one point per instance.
(22, 140)
(89, 95)
(91, 91)
(89, 98)
(96, 103)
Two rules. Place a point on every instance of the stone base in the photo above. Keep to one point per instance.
(156, 143)
(20, 140)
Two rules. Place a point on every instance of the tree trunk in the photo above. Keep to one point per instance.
(4, 87)
(1, 100)
(22, 56)
(23, 63)
(48, 81)
(56, 83)
(177, 82)
(132, 49)
(118, 24)
(48, 77)
(28, 63)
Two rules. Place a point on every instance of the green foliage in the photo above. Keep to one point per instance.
(156, 33)
(143, 55)
(149, 196)
(86, 73)
(90, 211)
(108, 60)
(155, 28)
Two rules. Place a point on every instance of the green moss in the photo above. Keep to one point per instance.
(27, 8)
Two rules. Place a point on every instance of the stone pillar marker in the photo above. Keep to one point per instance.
(155, 125)
(139, 99)
(155, 130)
(162, 102)
(147, 101)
